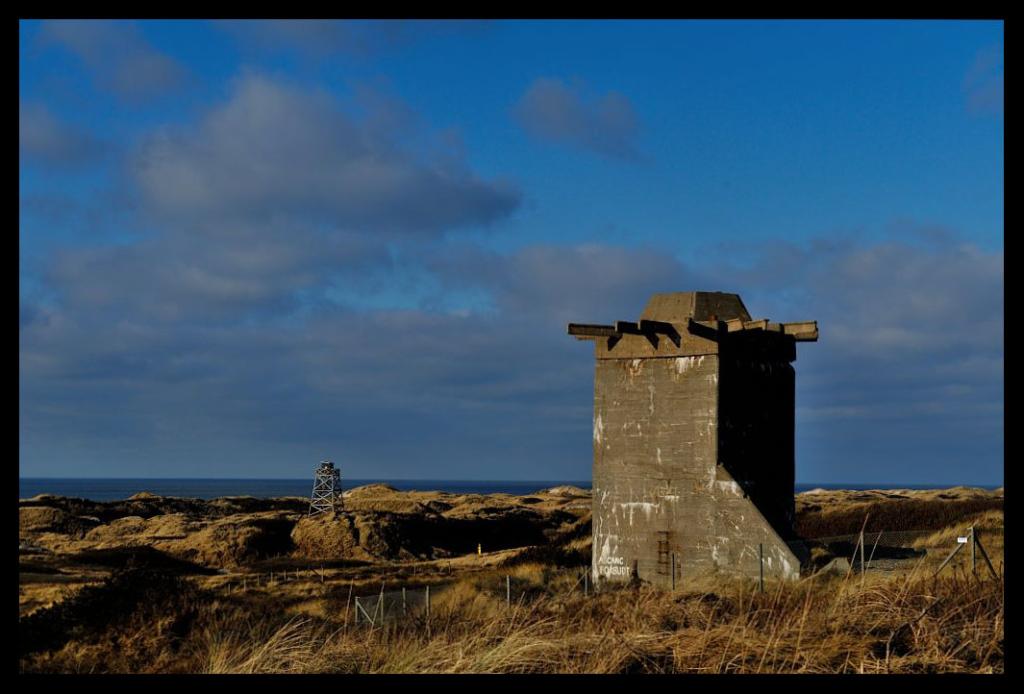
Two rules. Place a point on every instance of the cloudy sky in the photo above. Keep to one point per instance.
(248, 246)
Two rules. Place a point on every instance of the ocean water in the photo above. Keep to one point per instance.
(104, 489)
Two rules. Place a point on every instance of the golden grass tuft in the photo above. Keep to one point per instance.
(902, 621)
(906, 624)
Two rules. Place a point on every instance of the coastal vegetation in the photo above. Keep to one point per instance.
(136, 608)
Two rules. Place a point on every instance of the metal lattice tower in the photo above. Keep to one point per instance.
(326, 489)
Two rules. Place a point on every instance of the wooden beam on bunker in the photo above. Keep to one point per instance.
(585, 331)
(804, 331)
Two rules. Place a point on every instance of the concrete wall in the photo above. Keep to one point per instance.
(657, 473)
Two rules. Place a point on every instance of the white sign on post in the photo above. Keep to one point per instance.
(962, 540)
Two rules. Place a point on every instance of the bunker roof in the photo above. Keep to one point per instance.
(678, 307)
(689, 323)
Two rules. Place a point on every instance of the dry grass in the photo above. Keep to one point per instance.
(909, 624)
(898, 514)
(905, 621)
(257, 649)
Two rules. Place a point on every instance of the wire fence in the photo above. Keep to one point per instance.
(965, 548)
(387, 606)
(889, 550)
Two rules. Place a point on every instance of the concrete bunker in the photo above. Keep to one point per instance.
(694, 464)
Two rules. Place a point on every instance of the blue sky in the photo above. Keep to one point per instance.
(248, 246)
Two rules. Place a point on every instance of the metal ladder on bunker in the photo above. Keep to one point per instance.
(664, 562)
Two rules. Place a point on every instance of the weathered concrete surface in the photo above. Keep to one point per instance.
(677, 307)
(693, 449)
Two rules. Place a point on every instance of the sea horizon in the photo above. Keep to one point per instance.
(115, 488)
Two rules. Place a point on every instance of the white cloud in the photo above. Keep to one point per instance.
(273, 150)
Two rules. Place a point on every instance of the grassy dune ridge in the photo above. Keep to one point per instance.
(831, 513)
(143, 617)
(914, 623)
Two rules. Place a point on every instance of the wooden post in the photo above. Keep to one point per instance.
(673, 571)
(984, 555)
(366, 615)
(586, 580)
(951, 555)
(860, 546)
(974, 551)
(862, 552)
(760, 554)
(873, 547)
(508, 591)
(403, 600)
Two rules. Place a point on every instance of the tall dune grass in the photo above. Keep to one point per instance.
(906, 621)
(892, 515)
(914, 623)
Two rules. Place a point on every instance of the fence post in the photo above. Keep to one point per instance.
(984, 555)
(673, 571)
(760, 554)
(862, 552)
(974, 555)
(403, 600)
(586, 579)
(508, 590)
(358, 607)
(873, 547)
(947, 560)
(428, 602)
